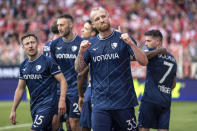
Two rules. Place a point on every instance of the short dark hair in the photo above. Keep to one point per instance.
(155, 34)
(66, 16)
(93, 28)
(54, 27)
(28, 35)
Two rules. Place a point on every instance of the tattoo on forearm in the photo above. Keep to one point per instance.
(80, 63)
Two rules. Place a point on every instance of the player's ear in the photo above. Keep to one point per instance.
(71, 25)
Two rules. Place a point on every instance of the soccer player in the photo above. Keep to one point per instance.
(113, 95)
(154, 111)
(64, 50)
(57, 119)
(84, 103)
(39, 73)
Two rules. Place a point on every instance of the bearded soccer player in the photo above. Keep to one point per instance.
(113, 95)
(64, 50)
(40, 73)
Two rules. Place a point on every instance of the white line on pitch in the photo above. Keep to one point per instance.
(15, 126)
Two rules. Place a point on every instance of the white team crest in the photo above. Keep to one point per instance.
(74, 48)
(38, 67)
(114, 45)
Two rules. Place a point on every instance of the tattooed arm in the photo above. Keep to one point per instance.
(79, 62)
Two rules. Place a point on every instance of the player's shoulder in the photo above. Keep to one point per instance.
(93, 39)
(79, 38)
(172, 57)
(45, 58)
(117, 33)
(55, 41)
(24, 63)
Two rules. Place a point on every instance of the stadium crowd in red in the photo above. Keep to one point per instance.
(177, 20)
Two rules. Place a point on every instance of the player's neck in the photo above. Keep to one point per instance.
(32, 58)
(69, 37)
(105, 34)
(55, 36)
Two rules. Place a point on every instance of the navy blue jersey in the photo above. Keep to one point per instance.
(65, 54)
(111, 79)
(161, 71)
(46, 49)
(38, 75)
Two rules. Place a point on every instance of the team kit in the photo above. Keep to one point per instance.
(88, 78)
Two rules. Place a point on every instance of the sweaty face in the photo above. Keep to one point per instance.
(30, 46)
(100, 20)
(86, 31)
(150, 42)
(63, 26)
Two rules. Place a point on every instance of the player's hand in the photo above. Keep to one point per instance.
(61, 107)
(80, 103)
(13, 117)
(125, 37)
(85, 44)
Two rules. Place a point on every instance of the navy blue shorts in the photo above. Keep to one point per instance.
(153, 116)
(42, 119)
(72, 107)
(119, 120)
(85, 118)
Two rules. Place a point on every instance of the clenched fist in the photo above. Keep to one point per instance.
(85, 44)
(125, 37)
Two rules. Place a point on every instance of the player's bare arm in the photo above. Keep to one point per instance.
(79, 62)
(139, 54)
(151, 54)
(17, 99)
(80, 80)
(63, 89)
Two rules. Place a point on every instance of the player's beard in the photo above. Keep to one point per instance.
(66, 34)
(104, 28)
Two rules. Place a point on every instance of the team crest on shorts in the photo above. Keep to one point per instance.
(38, 67)
(74, 48)
(114, 45)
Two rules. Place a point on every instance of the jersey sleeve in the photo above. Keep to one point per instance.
(87, 57)
(54, 67)
(21, 74)
(46, 49)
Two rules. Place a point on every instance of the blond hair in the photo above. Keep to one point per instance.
(97, 9)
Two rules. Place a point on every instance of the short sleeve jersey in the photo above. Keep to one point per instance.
(39, 77)
(46, 49)
(111, 79)
(65, 54)
(161, 71)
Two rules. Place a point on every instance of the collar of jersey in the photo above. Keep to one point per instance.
(71, 40)
(106, 37)
(35, 59)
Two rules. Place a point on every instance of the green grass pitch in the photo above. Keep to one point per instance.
(183, 117)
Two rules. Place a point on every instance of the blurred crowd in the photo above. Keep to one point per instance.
(177, 20)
